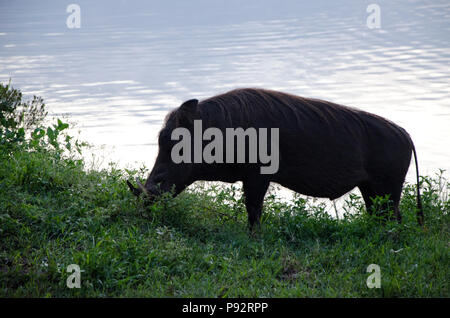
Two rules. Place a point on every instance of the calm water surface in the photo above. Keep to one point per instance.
(133, 61)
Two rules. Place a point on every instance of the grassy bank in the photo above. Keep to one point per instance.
(54, 212)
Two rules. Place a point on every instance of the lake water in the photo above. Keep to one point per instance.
(130, 62)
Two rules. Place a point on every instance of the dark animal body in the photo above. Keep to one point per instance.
(325, 149)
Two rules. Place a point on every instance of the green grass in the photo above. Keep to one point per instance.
(54, 212)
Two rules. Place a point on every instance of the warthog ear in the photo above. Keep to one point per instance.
(189, 106)
(186, 113)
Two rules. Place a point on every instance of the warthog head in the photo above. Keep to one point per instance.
(166, 175)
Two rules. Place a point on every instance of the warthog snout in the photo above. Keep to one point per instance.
(149, 193)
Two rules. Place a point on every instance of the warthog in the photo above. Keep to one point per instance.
(324, 149)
